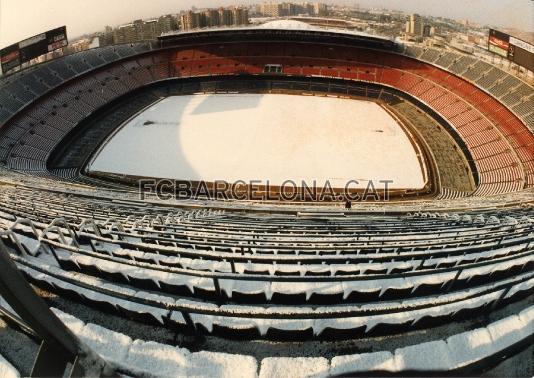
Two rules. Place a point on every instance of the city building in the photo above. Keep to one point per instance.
(106, 38)
(240, 16)
(124, 34)
(414, 25)
(166, 24)
(427, 30)
(271, 9)
(149, 30)
(320, 9)
(225, 17)
(139, 30)
(190, 20)
(212, 17)
(284, 9)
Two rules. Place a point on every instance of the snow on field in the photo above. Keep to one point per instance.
(263, 137)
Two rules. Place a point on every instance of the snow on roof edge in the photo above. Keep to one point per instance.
(279, 25)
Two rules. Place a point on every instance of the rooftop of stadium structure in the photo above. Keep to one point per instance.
(283, 24)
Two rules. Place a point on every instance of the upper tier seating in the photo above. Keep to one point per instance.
(500, 144)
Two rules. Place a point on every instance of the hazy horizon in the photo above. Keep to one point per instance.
(20, 19)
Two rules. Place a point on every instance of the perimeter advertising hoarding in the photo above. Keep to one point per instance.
(522, 53)
(30, 48)
(10, 57)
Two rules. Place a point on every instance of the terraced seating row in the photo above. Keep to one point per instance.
(47, 206)
(392, 253)
(413, 51)
(457, 354)
(461, 64)
(214, 318)
(56, 116)
(44, 188)
(430, 55)
(18, 89)
(231, 275)
(50, 206)
(445, 60)
(503, 86)
(476, 70)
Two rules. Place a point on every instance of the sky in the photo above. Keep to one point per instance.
(20, 19)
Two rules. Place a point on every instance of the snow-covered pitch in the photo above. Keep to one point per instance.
(263, 137)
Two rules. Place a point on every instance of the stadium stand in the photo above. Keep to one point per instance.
(100, 83)
(458, 261)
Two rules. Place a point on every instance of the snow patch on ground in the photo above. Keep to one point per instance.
(365, 362)
(296, 367)
(154, 359)
(263, 137)
(7, 370)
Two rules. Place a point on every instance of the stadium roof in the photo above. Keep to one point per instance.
(287, 25)
(282, 24)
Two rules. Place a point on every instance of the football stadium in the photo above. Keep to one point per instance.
(382, 222)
